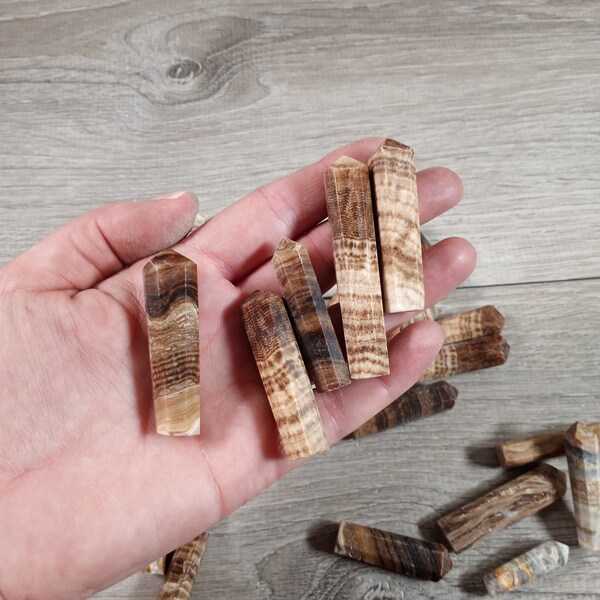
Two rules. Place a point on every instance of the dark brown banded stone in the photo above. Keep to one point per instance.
(471, 355)
(502, 507)
(350, 210)
(392, 551)
(283, 375)
(316, 337)
(418, 402)
(171, 291)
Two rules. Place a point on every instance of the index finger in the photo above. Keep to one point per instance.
(242, 237)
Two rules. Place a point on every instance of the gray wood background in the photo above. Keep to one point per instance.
(107, 99)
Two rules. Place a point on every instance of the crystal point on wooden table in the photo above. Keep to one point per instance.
(503, 506)
(284, 375)
(479, 322)
(394, 180)
(525, 568)
(582, 448)
(316, 337)
(348, 195)
(171, 289)
(182, 569)
(418, 402)
(524, 451)
(392, 551)
(471, 355)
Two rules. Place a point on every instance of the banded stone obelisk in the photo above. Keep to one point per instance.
(182, 570)
(316, 337)
(348, 195)
(283, 375)
(392, 551)
(418, 402)
(171, 289)
(582, 448)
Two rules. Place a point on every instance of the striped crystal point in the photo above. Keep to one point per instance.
(171, 289)
(392, 551)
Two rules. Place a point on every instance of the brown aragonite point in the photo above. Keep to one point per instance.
(525, 568)
(284, 375)
(471, 355)
(394, 181)
(516, 453)
(316, 337)
(479, 322)
(425, 243)
(182, 570)
(171, 287)
(348, 195)
(502, 507)
(418, 402)
(582, 448)
(392, 551)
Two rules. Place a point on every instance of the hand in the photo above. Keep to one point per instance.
(89, 493)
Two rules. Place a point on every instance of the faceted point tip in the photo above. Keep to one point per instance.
(390, 143)
(580, 434)
(345, 162)
(286, 244)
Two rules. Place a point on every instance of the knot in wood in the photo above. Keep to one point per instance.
(184, 71)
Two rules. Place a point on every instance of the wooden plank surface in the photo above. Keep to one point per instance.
(106, 99)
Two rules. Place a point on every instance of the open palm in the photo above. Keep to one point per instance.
(89, 492)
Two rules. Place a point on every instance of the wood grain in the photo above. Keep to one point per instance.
(314, 331)
(348, 195)
(283, 375)
(500, 508)
(396, 209)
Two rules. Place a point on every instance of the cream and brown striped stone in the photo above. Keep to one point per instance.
(182, 570)
(471, 355)
(500, 508)
(348, 195)
(171, 289)
(284, 375)
(479, 322)
(394, 180)
(582, 448)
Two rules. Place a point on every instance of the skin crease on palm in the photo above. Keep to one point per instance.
(89, 493)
